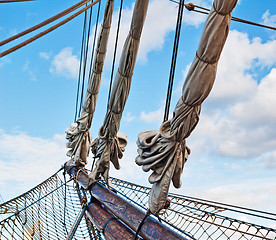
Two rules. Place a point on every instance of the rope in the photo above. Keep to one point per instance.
(64, 212)
(85, 61)
(107, 222)
(86, 36)
(115, 51)
(47, 31)
(141, 224)
(191, 7)
(80, 66)
(47, 21)
(173, 61)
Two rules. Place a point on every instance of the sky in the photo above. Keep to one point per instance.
(233, 158)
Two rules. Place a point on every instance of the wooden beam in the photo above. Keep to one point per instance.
(126, 212)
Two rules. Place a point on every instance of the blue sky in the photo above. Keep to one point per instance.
(233, 157)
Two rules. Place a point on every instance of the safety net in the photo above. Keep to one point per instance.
(49, 210)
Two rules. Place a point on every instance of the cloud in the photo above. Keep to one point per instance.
(27, 160)
(153, 117)
(237, 119)
(128, 117)
(26, 68)
(65, 63)
(191, 18)
(160, 21)
(243, 193)
(45, 55)
(268, 19)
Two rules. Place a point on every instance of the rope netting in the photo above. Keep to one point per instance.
(202, 219)
(47, 211)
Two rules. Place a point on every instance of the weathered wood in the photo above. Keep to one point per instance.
(126, 212)
(111, 227)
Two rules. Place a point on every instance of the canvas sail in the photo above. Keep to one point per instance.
(165, 151)
(108, 147)
(79, 136)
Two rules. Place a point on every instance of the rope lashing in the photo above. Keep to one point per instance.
(107, 222)
(141, 224)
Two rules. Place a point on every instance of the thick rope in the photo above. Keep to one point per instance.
(47, 31)
(47, 21)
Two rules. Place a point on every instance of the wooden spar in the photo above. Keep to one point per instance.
(124, 211)
(110, 226)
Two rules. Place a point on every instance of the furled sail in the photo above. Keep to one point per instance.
(79, 136)
(165, 151)
(108, 147)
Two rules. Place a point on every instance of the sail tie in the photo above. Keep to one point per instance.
(205, 61)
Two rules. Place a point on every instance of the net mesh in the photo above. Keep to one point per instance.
(49, 210)
(201, 219)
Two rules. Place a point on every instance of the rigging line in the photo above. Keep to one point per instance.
(87, 46)
(115, 51)
(64, 213)
(83, 67)
(191, 6)
(173, 61)
(47, 21)
(85, 59)
(80, 66)
(10, 50)
(94, 41)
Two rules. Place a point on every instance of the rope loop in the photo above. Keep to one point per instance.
(221, 13)
(141, 224)
(107, 222)
(205, 61)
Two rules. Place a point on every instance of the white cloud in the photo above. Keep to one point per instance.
(153, 117)
(238, 119)
(160, 21)
(45, 55)
(26, 68)
(5, 61)
(28, 160)
(191, 18)
(128, 117)
(65, 63)
(268, 19)
(252, 193)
